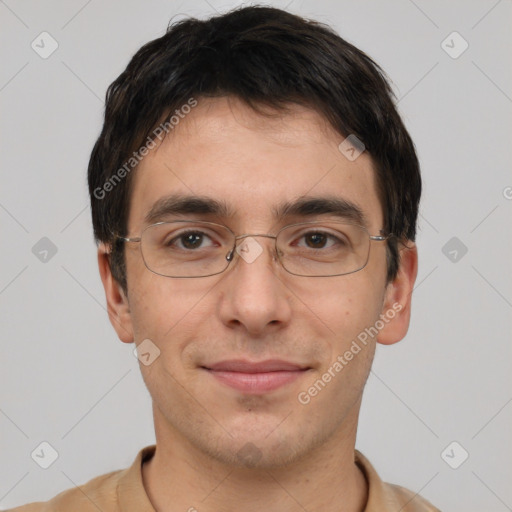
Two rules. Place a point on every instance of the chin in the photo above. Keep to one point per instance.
(265, 445)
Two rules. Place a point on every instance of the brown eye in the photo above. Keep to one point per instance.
(191, 240)
(188, 240)
(316, 240)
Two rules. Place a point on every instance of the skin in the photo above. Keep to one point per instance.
(296, 456)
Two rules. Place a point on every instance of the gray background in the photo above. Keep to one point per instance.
(67, 380)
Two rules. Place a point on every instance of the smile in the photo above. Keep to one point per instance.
(256, 378)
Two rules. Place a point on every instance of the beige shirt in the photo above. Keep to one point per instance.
(123, 491)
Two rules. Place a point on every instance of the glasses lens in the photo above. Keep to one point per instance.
(186, 249)
(323, 249)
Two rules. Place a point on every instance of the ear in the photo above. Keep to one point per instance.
(117, 302)
(396, 309)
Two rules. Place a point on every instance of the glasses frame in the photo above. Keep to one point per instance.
(230, 256)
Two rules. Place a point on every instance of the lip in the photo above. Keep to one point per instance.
(256, 377)
(241, 365)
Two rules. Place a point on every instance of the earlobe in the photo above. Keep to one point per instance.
(396, 310)
(117, 303)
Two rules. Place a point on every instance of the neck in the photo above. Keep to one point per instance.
(180, 477)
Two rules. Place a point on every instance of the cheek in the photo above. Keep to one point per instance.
(349, 311)
(345, 306)
(168, 311)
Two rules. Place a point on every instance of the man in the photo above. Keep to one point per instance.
(254, 195)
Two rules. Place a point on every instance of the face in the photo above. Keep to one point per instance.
(241, 351)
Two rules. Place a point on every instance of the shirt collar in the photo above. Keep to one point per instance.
(380, 495)
(132, 496)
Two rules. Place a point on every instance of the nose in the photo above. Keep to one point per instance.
(253, 295)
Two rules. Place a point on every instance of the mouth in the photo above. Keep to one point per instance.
(256, 377)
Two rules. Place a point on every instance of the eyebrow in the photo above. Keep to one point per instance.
(178, 204)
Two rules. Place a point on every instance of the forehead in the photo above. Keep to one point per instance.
(252, 164)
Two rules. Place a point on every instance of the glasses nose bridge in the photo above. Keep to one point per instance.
(265, 235)
(252, 235)
(230, 255)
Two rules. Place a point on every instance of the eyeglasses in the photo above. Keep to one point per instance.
(188, 248)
